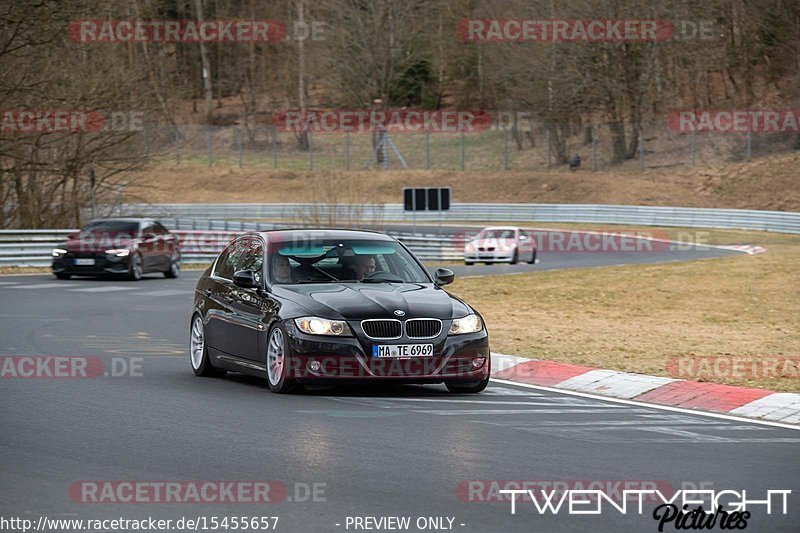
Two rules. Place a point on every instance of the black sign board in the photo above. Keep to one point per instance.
(426, 199)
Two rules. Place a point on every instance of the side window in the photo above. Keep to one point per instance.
(226, 263)
(147, 227)
(252, 256)
(158, 229)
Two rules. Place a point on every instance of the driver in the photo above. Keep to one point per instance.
(362, 266)
(282, 270)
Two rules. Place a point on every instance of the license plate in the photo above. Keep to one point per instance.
(84, 262)
(402, 350)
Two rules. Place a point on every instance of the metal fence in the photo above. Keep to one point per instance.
(34, 247)
(205, 228)
(535, 146)
(381, 214)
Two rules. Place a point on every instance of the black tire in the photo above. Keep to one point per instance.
(284, 384)
(136, 267)
(467, 388)
(62, 275)
(515, 258)
(468, 263)
(533, 258)
(174, 270)
(204, 369)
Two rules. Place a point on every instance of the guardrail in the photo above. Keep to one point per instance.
(776, 221)
(34, 247)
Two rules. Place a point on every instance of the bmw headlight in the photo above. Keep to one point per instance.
(468, 324)
(322, 326)
(122, 252)
(58, 252)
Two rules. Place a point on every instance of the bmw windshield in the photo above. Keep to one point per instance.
(344, 260)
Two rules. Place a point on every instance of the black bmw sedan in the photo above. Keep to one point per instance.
(324, 306)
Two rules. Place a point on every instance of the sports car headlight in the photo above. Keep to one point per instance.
(122, 252)
(322, 326)
(468, 324)
(58, 252)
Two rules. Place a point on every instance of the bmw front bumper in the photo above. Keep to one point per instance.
(343, 359)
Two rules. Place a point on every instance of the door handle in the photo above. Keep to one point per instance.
(208, 292)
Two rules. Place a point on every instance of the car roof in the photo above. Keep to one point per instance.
(121, 219)
(324, 233)
(501, 227)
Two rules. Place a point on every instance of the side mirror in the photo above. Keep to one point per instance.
(245, 279)
(443, 276)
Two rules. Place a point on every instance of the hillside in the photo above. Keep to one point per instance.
(765, 183)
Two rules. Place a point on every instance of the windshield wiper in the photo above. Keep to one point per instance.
(325, 281)
(383, 279)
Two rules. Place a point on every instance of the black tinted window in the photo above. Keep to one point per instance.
(111, 226)
(252, 256)
(226, 263)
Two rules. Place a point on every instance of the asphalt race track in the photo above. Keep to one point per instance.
(561, 254)
(397, 451)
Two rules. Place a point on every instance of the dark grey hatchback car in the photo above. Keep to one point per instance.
(333, 306)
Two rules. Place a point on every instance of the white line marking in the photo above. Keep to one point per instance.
(8, 282)
(637, 424)
(563, 410)
(552, 403)
(650, 405)
(102, 289)
(42, 286)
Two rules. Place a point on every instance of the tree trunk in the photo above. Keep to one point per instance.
(206, 66)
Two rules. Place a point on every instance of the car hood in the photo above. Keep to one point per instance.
(356, 301)
(494, 243)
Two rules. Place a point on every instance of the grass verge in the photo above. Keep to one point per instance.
(636, 318)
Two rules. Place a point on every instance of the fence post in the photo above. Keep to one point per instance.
(749, 139)
(177, 146)
(240, 143)
(594, 149)
(427, 149)
(505, 148)
(693, 141)
(347, 150)
(549, 149)
(463, 150)
(385, 148)
(274, 148)
(210, 146)
(310, 151)
(641, 152)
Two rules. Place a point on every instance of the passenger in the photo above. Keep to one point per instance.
(282, 270)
